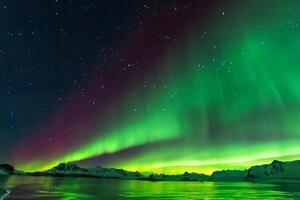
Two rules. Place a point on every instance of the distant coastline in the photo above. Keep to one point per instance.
(277, 171)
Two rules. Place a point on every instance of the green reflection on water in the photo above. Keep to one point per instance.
(85, 188)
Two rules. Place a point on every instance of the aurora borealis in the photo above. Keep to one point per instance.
(163, 87)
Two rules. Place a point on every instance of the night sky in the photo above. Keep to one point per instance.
(161, 86)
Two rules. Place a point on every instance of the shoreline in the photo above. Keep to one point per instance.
(275, 172)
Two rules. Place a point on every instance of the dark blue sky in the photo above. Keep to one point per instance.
(48, 48)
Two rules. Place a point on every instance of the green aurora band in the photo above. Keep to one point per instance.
(229, 95)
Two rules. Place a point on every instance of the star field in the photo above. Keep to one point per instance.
(167, 86)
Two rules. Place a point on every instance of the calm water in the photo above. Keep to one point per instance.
(89, 188)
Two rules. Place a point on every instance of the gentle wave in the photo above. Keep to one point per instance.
(7, 192)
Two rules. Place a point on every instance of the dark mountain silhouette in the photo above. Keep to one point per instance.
(273, 172)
